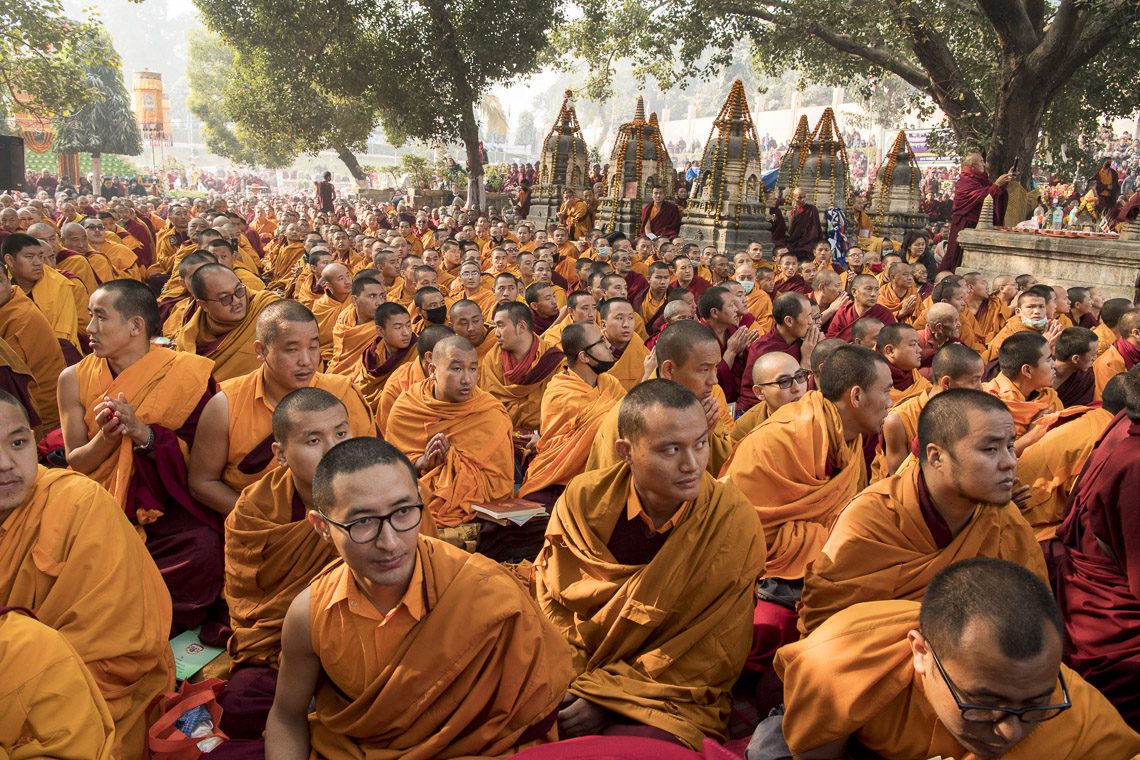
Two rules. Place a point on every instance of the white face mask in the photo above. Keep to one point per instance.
(1036, 324)
(748, 285)
(603, 252)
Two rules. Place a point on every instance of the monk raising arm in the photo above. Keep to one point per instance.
(287, 730)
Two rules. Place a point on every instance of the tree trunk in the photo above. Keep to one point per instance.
(354, 167)
(97, 170)
(469, 132)
(1016, 126)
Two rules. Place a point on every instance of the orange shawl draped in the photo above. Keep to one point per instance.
(1024, 411)
(572, 412)
(402, 378)
(890, 300)
(630, 367)
(233, 356)
(479, 465)
(469, 679)
(655, 643)
(748, 422)
(799, 473)
(164, 387)
(55, 297)
(122, 259)
(990, 323)
(284, 259)
(376, 365)
(328, 311)
(919, 386)
(70, 556)
(759, 306)
(1107, 366)
(881, 548)
(522, 396)
(1011, 326)
(1105, 337)
(349, 339)
(29, 334)
(651, 307)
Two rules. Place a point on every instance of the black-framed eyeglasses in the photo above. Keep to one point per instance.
(94, 227)
(225, 299)
(784, 382)
(991, 714)
(367, 529)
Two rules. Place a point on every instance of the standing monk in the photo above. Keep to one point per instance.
(575, 215)
(970, 191)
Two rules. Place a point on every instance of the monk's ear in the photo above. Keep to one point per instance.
(318, 522)
(918, 650)
(623, 449)
(259, 350)
(278, 454)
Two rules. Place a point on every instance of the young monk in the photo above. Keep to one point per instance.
(1025, 383)
(355, 327)
(391, 346)
(629, 351)
(59, 298)
(225, 322)
(795, 333)
(234, 447)
(516, 370)
(410, 646)
(1031, 317)
(864, 303)
(1122, 355)
(457, 434)
(573, 406)
(973, 671)
(899, 345)
(26, 330)
(69, 555)
(410, 373)
(955, 503)
(466, 318)
(1110, 315)
(777, 380)
(614, 548)
(1075, 355)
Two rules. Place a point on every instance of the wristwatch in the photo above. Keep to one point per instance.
(146, 448)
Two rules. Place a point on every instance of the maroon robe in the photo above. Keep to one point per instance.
(969, 193)
(846, 317)
(667, 223)
(731, 378)
(541, 323)
(141, 233)
(766, 344)
(795, 284)
(800, 234)
(636, 286)
(1077, 389)
(1098, 579)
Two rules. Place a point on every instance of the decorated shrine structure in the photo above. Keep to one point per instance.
(639, 162)
(895, 194)
(563, 164)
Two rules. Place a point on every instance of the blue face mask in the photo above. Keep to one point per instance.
(748, 285)
(603, 253)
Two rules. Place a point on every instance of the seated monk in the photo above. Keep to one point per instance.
(657, 645)
(466, 318)
(1030, 317)
(756, 301)
(788, 277)
(223, 326)
(628, 349)
(687, 353)
(50, 705)
(234, 447)
(864, 303)
(1110, 314)
(903, 679)
(651, 303)
(410, 373)
(224, 252)
(69, 555)
(430, 308)
(898, 344)
(900, 295)
(411, 647)
(30, 335)
(457, 434)
(49, 290)
(130, 413)
(988, 308)
(1050, 467)
(308, 286)
(1098, 579)
(954, 366)
(516, 370)
(1025, 383)
(777, 380)
(943, 327)
(1121, 356)
(953, 504)
(179, 310)
(391, 346)
(77, 256)
(543, 303)
(1075, 353)
(103, 241)
(355, 327)
(795, 333)
(473, 289)
(328, 308)
(581, 308)
(573, 405)
(720, 309)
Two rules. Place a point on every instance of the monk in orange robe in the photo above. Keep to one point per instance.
(355, 327)
(1031, 317)
(954, 503)
(1110, 314)
(49, 290)
(122, 258)
(410, 373)
(457, 434)
(988, 308)
(172, 237)
(234, 446)
(575, 215)
(308, 286)
(1122, 355)
(1025, 383)
(516, 370)
(757, 302)
(777, 380)
(656, 647)
(628, 348)
(224, 252)
(50, 705)
(466, 318)
(888, 677)
(651, 303)
(393, 344)
(28, 333)
(900, 295)
(899, 345)
(69, 555)
(286, 257)
(75, 255)
(466, 667)
(573, 405)
(330, 306)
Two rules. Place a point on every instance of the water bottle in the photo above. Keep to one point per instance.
(1058, 216)
(197, 723)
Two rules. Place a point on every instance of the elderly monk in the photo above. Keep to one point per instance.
(656, 647)
(1099, 576)
(900, 295)
(234, 447)
(77, 256)
(410, 373)
(70, 556)
(466, 665)
(355, 327)
(629, 351)
(121, 257)
(795, 333)
(1031, 317)
(899, 345)
(50, 706)
(864, 303)
(130, 413)
(49, 290)
(392, 345)
(224, 324)
(1075, 355)
(517, 369)
(954, 366)
(457, 434)
(973, 671)
(1025, 383)
(29, 334)
(687, 353)
(1050, 467)
(777, 380)
(943, 327)
(335, 301)
(179, 310)
(573, 406)
(896, 535)
(1121, 356)
(970, 192)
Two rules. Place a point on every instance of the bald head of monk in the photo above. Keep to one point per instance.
(989, 633)
(865, 332)
(23, 257)
(1112, 310)
(10, 219)
(467, 321)
(47, 235)
(18, 460)
(375, 530)
(688, 353)
(1128, 327)
(73, 237)
(858, 381)
(220, 295)
(822, 352)
(306, 424)
(956, 366)
(1027, 360)
(124, 318)
(455, 369)
(898, 344)
(663, 436)
(288, 344)
(778, 379)
(192, 263)
(338, 280)
(945, 323)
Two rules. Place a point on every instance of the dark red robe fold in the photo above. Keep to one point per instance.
(667, 223)
(846, 317)
(1077, 388)
(801, 233)
(969, 193)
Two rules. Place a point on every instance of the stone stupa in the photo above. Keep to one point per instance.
(895, 193)
(789, 162)
(639, 162)
(821, 169)
(564, 163)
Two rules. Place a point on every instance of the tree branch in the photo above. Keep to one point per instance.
(1072, 38)
(1011, 23)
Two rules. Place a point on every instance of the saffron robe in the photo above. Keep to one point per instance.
(16, 379)
(765, 344)
(233, 352)
(1011, 326)
(759, 305)
(1025, 411)
(890, 542)
(71, 557)
(653, 642)
(30, 335)
(55, 295)
(376, 365)
(912, 384)
(349, 339)
(520, 388)
(402, 378)
(479, 464)
(1104, 337)
(891, 301)
(799, 473)
(1120, 357)
(630, 366)
(328, 310)
(475, 670)
(854, 676)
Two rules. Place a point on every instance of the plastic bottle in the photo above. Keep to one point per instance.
(197, 723)
(1058, 216)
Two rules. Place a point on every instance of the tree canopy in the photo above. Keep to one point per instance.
(106, 123)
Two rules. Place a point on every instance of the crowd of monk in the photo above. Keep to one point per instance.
(884, 511)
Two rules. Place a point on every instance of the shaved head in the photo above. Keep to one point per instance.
(273, 317)
(771, 365)
(940, 312)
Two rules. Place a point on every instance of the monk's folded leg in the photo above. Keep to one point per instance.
(190, 557)
(773, 626)
(245, 703)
